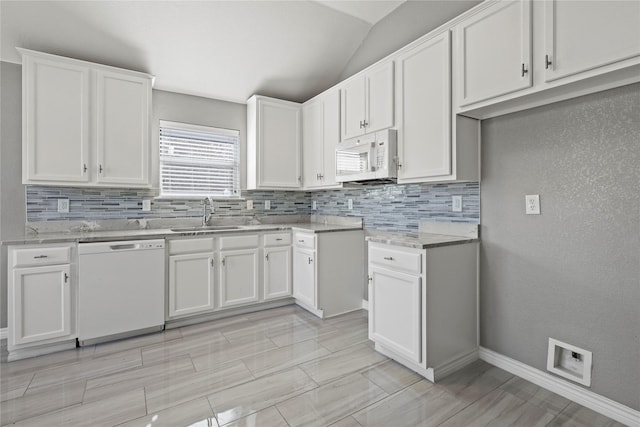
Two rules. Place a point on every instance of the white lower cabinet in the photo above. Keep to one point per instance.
(395, 304)
(191, 276)
(328, 276)
(238, 277)
(423, 306)
(304, 276)
(276, 280)
(41, 299)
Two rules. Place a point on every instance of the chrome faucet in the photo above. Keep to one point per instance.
(205, 218)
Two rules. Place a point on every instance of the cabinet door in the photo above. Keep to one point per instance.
(379, 87)
(41, 304)
(190, 283)
(277, 272)
(353, 107)
(331, 135)
(304, 276)
(312, 143)
(55, 121)
(494, 52)
(424, 113)
(122, 129)
(395, 312)
(238, 277)
(278, 144)
(583, 35)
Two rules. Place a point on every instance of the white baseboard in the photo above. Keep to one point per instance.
(365, 304)
(584, 397)
(3, 333)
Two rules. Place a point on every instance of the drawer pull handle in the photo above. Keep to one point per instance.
(300, 241)
(66, 277)
(310, 260)
(278, 239)
(389, 258)
(224, 261)
(40, 256)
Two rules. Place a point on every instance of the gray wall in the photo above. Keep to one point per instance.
(12, 196)
(409, 21)
(572, 273)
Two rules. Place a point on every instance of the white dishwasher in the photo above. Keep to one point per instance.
(121, 289)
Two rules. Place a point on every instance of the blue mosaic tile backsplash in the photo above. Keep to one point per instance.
(384, 207)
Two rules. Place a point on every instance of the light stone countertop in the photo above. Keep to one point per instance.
(416, 240)
(312, 224)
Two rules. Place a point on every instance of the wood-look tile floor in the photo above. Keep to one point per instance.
(280, 367)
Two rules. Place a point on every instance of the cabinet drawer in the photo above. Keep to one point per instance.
(239, 242)
(396, 259)
(304, 240)
(191, 246)
(277, 239)
(41, 256)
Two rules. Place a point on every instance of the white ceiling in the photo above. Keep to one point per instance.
(227, 50)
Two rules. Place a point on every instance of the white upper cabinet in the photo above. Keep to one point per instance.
(580, 36)
(424, 110)
(273, 144)
(84, 124)
(320, 137)
(55, 124)
(494, 52)
(367, 101)
(122, 116)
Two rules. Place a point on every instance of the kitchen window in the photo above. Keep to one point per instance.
(199, 161)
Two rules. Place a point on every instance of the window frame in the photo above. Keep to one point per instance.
(235, 191)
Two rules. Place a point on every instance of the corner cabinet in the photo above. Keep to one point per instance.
(320, 137)
(423, 306)
(84, 124)
(273, 144)
(41, 299)
(366, 101)
(328, 275)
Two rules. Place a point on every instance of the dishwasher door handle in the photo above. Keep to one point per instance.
(124, 247)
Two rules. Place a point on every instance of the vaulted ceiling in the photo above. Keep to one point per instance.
(218, 49)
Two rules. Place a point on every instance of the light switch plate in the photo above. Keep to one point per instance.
(532, 206)
(63, 205)
(456, 203)
(146, 205)
(267, 205)
(249, 205)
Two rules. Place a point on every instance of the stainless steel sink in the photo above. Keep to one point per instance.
(205, 228)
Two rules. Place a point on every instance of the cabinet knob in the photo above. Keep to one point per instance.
(364, 124)
(524, 70)
(267, 257)
(100, 169)
(224, 261)
(310, 260)
(547, 62)
(84, 168)
(66, 278)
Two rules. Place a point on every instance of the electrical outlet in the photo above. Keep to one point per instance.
(456, 203)
(267, 205)
(314, 205)
(532, 204)
(350, 204)
(249, 205)
(146, 205)
(63, 205)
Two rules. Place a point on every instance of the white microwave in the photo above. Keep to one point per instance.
(369, 157)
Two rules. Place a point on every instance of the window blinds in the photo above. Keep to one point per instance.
(199, 161)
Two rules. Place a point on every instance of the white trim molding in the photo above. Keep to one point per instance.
(582, 396)
(3, 333)
(365, 304)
